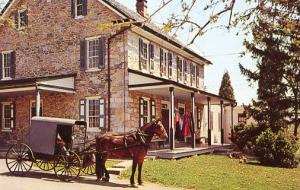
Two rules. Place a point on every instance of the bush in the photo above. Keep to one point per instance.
(245, 136)
(276, 149)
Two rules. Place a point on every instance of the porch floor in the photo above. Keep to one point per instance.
(182, 152)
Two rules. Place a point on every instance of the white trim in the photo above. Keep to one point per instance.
(75, 11)
(94, 129)
(166, 103)
(19, 20)
(88, 68)
(2, 117)
(42, 105)
(8, 52)
(53, 89)
(17, 89)
(147, 99)
(5, 12)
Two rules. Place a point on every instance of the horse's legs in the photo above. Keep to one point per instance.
(106, 178)
(99, 166)
(140, 166)
(134, 164)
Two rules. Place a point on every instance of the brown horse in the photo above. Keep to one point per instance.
(132, 145)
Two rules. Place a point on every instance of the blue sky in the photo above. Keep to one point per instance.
(220, 46)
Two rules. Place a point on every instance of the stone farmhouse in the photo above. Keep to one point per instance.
(98, 61)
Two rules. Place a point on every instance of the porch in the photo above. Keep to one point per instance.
(188, 151)
(21, 99)
(201, 106)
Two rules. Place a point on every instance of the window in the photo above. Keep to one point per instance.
(147, 110)
(179, 69)
(163, 62)
(21, 19)
(92, 110)
(8, 116)
(93, 53)
(79, 8)
(193, 74)
(33, 109)
(151, 57)
(143, 55)
(7, 65)
(170, 62)
(185, 71)
(197, 76)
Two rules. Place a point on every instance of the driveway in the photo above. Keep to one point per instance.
(37, 179)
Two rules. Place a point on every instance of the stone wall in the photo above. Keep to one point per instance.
(50, 45)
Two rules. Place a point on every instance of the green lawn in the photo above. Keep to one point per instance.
(218, 172)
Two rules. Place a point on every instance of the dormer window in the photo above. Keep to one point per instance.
(21, 19)
(79, 8)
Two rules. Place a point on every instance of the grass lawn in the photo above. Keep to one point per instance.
(218, 172)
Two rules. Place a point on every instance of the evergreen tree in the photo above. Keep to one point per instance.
(226, 89)
(276, 47)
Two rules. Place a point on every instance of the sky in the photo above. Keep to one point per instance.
(220, 46)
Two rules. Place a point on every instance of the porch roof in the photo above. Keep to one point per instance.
(150, 84)
(64, 83)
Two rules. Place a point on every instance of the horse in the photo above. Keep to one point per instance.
(133, 145)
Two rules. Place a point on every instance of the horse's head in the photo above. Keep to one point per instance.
(159, 129)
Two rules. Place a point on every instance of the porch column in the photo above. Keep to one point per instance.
(222, 125)
(193, 139)
(232, 127)
(171, 119)
(208, 122)
(38, 103)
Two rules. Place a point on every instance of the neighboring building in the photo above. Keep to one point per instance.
(240, 116)
(57, 61)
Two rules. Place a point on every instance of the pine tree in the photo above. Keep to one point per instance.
(226, 89)
(276, 47)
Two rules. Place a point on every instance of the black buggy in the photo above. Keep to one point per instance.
(53, 144)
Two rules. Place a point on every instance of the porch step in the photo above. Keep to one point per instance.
(115, 171)
(120, 167)
(124, 164)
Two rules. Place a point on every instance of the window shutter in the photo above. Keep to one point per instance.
(1, 108)
(141, 111)
(82, 110)
(1, 66)
(153, 110)
(84, 11)
(140, 52)
(17, 19)
(102, 51)
(26, 17)
(13, 64)
(102, 113)
(13, 115)
(83, 54)
(73, 9)
(211, 120)
(161, 57)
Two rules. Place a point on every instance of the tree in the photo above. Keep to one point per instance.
(276, 47)
(226, 89)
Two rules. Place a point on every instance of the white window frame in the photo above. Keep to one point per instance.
(2, 117)
(87, 99)
(88, 40)
(166, 103)
(146, 99)
(144, 55)
(19, 19)
(31, 106)
(76, 11)
(151, 60)
(180, 78)
(10, 66)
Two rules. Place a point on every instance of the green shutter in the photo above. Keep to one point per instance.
(83, 55)
(102, 51)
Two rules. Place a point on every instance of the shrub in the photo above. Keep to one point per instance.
(245, 136)
(276, 149)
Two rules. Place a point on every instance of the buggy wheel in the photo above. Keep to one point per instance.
(45, 165)
(19, 159)
(67, 166)
(90, 169)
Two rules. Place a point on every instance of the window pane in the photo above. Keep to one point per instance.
(94, 53)
(79, 7)
(6, 65)
(94, 113)
(7, 116)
